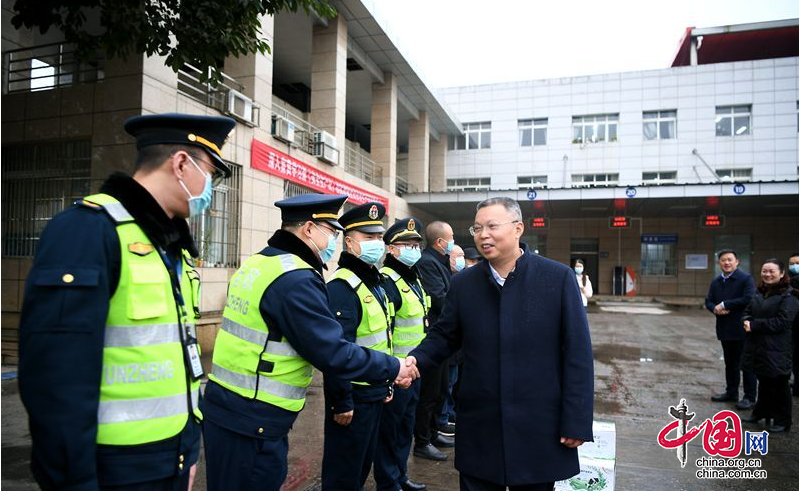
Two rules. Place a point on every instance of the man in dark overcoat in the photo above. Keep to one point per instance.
(728, 295)
(526, 399)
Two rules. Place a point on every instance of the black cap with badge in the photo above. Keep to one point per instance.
(312, 206)
(406, 229)
(366, 218)
(206, 132)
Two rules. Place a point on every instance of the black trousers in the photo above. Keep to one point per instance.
(470, 483)
(435, 386)
(349, 451)
(733, 350)
(174, 483)
(774, 399)
(795, 359)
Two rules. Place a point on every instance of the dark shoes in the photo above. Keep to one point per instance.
(754, 419)
(777, 428)
(723, 398)
(745, 403)
(413, 486)
(447, 429)
(442, 441)
(429, 452)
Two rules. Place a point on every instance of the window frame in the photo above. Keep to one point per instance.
(731, 174)
(539, 181)
(533, 127)
(657, 180)
(606, 121)
(659, 117)
(469, 184)
(737, 111)
(583, 183)
(665, 264)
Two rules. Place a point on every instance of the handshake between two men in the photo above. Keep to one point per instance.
(408, 372)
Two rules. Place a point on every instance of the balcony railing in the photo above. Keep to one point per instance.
(226, 96)
(303, 137)
(360, 165)
(49, 66)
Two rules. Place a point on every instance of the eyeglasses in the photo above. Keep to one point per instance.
(407, 246)
(216, 175)
(335, 233)
(492, 227)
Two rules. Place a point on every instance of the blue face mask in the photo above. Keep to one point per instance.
(327, 253)
(372, 251)
(460, 263)
(578, 269)
(409, 256)
(198, 204)
(793, 269)
(450, 246)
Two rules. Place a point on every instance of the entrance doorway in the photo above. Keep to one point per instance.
(587, 249)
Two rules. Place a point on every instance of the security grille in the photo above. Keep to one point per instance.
(39, 181)
(216, 231)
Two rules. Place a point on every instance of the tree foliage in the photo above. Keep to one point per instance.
(198, 32)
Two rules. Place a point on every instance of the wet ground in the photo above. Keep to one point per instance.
(647, 357)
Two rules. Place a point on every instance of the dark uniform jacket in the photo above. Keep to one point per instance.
(735, 292)
(435, 274)
(527, 376)
(296, 304)
(768, 348)
(340, 393)
(62, 330)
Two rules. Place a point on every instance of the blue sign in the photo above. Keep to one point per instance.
(631, 192)
(658, 239)
(739, 188)
(531, 194)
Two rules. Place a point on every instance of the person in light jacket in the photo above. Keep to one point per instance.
(583, 281)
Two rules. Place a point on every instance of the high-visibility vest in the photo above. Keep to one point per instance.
(411, 318)
(250, 358)
(146, 392)
(373, 330)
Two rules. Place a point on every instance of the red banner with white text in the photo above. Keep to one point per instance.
(277, 163)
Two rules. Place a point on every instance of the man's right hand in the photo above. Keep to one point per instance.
(344, 419)
(408, 372)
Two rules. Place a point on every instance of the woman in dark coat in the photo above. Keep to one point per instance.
(767, 321)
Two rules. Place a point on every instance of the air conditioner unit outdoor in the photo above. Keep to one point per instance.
(282, 129)
(325, 147)
(239, 106)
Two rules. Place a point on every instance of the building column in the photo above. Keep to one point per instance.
(438, 165)
(329, 79)
(384, 130)
(419, 154)
(254, 72)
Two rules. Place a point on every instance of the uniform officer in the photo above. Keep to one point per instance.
(109, 364)
(276, 325)
(405, 291)
(357, 297)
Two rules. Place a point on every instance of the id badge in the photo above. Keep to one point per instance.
(193, 355)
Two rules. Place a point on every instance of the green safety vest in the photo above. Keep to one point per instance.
(373, 331)
(411, 318)
(249, 359)
(146, 391)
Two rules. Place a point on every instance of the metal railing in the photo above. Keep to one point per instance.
(360, 165)
(303, 130)
(49, 66)
(190, 84)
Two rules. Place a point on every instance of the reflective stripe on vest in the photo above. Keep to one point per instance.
(144, 388)
(145, 409)
(251, 382)
(372, 329)
(243, 350)
(409, 322)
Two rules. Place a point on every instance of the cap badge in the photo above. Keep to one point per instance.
(373, 213)
(411, 224)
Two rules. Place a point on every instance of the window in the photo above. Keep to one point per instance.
(660, 125)
(660, 177)
(733, 120)
(216, 231)
(532, 132)
(659, 259)
(39, 181)
(476, 136)
(527, 182)
(592, 129)
(469, 184)
(591, 180)
(737, 175)
(42, 75)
